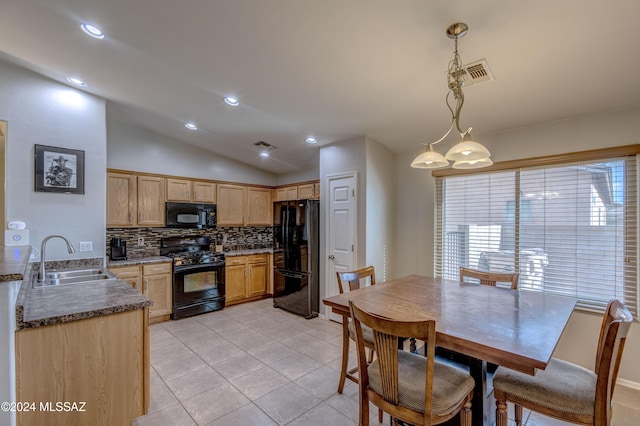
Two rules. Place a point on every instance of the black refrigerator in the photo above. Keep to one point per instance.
(296, 246)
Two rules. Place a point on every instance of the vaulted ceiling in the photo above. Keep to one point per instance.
(332, 69)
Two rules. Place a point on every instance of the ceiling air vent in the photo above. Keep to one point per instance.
(263, 144)
(476, 73)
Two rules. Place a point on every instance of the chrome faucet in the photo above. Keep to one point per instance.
(70, 249)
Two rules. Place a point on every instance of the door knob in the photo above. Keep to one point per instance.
(331, 257)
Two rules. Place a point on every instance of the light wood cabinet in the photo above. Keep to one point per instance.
(135, 200)
(316, 191)
(121, 199)
(151, 199)
(204, 192)
(129, 274)
(259, 206)
(100, 362)
(155, 281)
(231, 199)
(287, 193)
(188, 191)
(306, 192)
(178, 190)
(241, 205)
(246, 278)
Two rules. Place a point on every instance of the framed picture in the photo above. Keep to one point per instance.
(59, 170)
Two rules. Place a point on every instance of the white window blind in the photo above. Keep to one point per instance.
(568, 229)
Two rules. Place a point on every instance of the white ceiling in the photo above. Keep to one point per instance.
(334, 69)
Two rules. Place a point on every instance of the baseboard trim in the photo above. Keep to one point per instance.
(628, 384)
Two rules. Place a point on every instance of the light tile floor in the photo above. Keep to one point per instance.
(254, 365)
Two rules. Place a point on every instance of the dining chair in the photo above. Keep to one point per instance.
(567, 391)
(412, 388)
(490, 278)
(354, 279)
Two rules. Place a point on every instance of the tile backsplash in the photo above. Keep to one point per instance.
(234, 238)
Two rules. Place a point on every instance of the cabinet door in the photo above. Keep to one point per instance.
(158, 289)
(130, 275)
(235, 283)
(316, 191)
(305, 192)
(231, 199)
(257, 285)
(178, 190)
(121, 199)
(204, 192)
(259, 206)
(292, 193)
(151, 199)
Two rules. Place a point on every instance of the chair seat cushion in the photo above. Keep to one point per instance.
(450, 385)
(562, 386)
(367, 333)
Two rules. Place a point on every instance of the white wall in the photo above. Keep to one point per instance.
(41, 111)
(303, 176)
(138, 149)
(415, 213)
(340, 157)
(380, 210)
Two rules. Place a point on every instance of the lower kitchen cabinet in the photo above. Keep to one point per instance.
(98, 367)
(246, 278)
(156, 282)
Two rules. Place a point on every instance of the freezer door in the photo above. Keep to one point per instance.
(291, 292)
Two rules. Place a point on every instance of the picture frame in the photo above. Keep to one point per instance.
(58, 170)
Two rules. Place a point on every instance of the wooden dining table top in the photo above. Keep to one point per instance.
(518, 329)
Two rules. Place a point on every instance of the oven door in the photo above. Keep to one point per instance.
(197, 289)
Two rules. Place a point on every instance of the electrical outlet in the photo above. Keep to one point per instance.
(86, 245)
(140, 241)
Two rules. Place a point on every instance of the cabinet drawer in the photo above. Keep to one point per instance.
(258, 258)
(155, 269)
(126, 272)
(235, 260)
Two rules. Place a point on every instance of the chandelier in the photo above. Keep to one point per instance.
(466, 154)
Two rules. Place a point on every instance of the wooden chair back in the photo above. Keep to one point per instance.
(613, 335)
(386, 333)
(353, 278)
(490, 278)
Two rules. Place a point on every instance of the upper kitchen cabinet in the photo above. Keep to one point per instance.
(305, 192)
(135, 200)
(151, 199)
(240, 205)
(287, 193)
(191, 191)
(259, 206)
(121, 199)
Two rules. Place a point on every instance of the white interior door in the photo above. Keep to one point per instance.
(341, 231)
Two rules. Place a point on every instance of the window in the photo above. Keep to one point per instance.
(568, 228)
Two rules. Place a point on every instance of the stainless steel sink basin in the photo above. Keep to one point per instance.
(74, 276)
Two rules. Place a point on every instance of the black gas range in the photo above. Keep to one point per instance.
(198, 275)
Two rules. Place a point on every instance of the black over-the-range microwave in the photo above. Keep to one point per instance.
(190, 215)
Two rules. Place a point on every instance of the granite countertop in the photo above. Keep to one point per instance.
(41, 306)
(247, 252)
(13, 262)
(138, 261)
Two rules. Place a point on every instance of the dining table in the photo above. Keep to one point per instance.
(516, 329)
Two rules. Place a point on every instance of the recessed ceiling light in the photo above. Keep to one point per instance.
(232, 101)
(264, 154)
(92, 30)
(311, 139)
(191, 126)
(76, 81)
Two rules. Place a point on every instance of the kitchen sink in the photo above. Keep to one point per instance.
(73, 276)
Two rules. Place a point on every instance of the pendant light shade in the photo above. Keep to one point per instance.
(472, 164)
(429, 160)
(467, 150)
